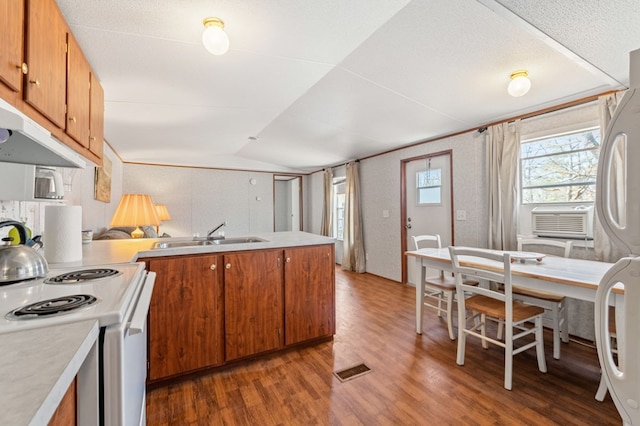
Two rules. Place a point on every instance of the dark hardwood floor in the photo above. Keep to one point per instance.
(414, 379)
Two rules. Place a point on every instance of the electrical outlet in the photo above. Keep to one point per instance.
(461, 215)
(385, 213)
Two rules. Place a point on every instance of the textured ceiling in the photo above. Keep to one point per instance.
(318, 83)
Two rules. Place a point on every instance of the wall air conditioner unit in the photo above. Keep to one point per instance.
(563, 222)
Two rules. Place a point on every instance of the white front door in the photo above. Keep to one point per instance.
(428, 204)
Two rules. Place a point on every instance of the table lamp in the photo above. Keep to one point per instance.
(135, 210)
(163, 215)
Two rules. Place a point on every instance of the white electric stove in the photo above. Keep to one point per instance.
(118, 296)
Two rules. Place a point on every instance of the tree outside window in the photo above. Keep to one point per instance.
(560, 168)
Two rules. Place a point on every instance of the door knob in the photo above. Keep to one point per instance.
(228, 266)
(408, 226)
(213, 267)
(36, 82)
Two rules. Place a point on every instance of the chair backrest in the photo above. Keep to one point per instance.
(419, 238)
(566, 245)
(482, 264)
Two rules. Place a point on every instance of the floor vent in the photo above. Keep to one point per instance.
(352, 372)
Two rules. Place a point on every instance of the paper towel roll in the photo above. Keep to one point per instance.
(62, 233)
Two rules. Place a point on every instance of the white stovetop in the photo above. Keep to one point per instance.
(114, 295)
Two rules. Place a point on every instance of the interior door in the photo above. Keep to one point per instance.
(427, 204)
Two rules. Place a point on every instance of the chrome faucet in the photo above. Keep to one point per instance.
(210, 235)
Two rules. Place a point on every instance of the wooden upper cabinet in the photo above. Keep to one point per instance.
(78, 84)
(46, 58)
(11, 42)
(96, 111)
(309, 293)
(253, 303)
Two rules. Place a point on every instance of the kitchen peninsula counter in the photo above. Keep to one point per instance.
(130, 250)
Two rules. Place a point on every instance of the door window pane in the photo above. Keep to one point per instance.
(429, 187)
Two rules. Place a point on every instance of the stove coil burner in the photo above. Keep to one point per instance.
(52, 307)
(76, 277)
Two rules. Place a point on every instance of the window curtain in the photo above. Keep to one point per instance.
(327, 176)
(604, 249)
(353, 258)
(503, 162)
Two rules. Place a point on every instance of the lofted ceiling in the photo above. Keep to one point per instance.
(309, 83)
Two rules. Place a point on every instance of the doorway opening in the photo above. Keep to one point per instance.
(287, 203)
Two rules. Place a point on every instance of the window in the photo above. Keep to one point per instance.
(338, 207)
(429, 187)
(560, 168)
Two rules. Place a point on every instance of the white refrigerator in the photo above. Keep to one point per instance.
(619, 213)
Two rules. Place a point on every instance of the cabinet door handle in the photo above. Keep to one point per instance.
(72, 119)
(288, 260)
(36, 82)
(213, 267)
(24, 68)
(228, 266)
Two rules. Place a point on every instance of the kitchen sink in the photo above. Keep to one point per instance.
(196, 243)
(242, 240)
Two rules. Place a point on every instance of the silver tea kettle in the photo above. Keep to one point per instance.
(20, 262)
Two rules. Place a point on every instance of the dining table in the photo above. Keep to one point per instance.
(576, 278)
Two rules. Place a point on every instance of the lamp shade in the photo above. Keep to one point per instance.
(162, 212)
(214, 38)
(519, 84)
(135, 210)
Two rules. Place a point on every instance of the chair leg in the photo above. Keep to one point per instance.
(555, 314)
(440, 304)
(483, 331)
(564, 326)
(508, 361)
(452, 336)
(462, 336)
(602, 389)
(542, 363)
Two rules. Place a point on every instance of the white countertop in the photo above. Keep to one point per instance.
(129, 250)
(36, 368)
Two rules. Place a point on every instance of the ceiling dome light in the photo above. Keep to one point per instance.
(214, 38)
(519, 84)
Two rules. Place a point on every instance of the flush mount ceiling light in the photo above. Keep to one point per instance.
(519, 84)
(214, 38)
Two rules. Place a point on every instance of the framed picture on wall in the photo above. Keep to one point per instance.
(103, 181)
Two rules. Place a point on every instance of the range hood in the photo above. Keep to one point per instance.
(30, 143)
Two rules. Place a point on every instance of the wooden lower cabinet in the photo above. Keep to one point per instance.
(309, 293)
(65, 414)
(185, 316)
(208, 310)
(253, 303)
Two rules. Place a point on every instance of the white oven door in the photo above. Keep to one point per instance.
(124, 367)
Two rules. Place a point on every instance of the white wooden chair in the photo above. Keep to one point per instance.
(440, 288)
(555, 303)
(492, 304)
